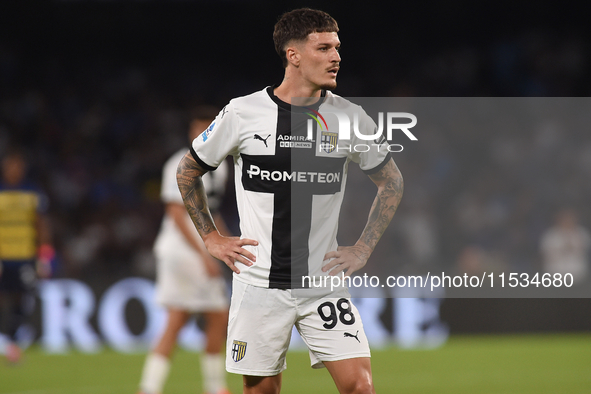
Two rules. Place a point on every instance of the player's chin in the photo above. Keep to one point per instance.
(329, 85)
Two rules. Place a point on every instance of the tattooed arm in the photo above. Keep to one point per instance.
(352, 258)
(227, 249)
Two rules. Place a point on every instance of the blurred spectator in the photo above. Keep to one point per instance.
(565, 247)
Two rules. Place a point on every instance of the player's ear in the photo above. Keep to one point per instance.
(293, 55)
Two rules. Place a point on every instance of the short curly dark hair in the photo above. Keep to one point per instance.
(297, 24)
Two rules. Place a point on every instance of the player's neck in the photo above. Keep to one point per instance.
(291, 88)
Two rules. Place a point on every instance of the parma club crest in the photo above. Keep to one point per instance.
(329, 141)
(238, 350)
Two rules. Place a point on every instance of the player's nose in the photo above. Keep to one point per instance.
(336, 57)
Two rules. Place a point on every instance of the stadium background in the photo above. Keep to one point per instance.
(97, 92)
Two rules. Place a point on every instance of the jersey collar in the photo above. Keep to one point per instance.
(290, 107)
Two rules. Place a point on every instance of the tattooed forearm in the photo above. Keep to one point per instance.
(188, 177)
(390, 188)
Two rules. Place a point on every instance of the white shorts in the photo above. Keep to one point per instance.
(261, 322)
(182, 282)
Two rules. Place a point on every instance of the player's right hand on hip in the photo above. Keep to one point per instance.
(230, 249)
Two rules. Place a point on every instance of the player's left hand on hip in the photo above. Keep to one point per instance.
(347, 259)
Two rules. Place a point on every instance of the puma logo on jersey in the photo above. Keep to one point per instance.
(346, 334)
(258, 137)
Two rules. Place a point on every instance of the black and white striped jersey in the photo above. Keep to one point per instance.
(289, 187)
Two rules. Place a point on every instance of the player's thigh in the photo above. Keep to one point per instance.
(177, 318)
(259, 330)
(352, 375)
(332, 329)
(215, 330)
(216, 320)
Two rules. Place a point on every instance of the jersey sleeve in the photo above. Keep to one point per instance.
(219, 140)
(170, 190)
(371, 155)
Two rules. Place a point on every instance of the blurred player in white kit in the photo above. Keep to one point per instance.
(565, 247)
(189, 280)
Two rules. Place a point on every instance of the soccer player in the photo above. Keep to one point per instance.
(289, 189)
(25, 246)
(189, 280)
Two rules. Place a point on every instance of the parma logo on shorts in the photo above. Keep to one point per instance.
(329, 141)
(238, 350)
